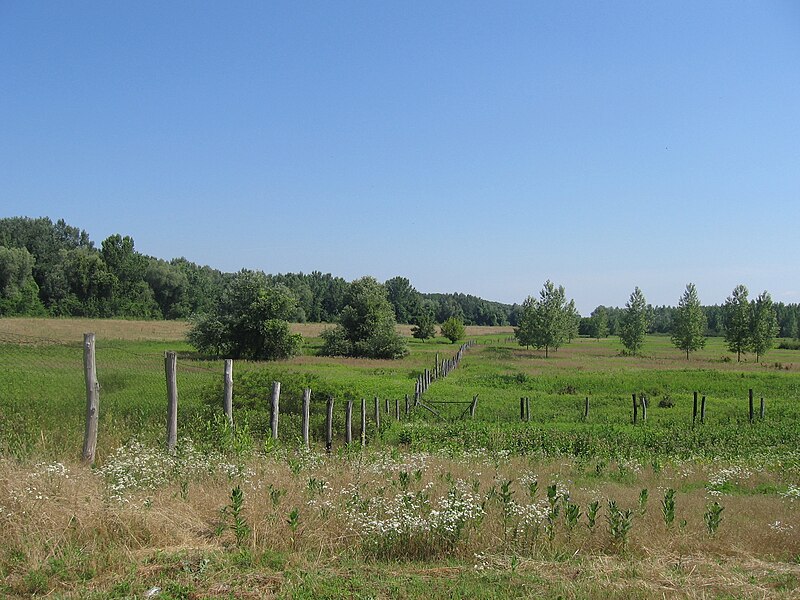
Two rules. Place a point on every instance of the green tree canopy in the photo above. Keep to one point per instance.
(763, 325)
(598, 323)
(737, 321)
(424, 328)
(405, 300)
(689, 322)
(549, 321)
(633, 323)
(366, 324)
(249, 321)
(453, 329)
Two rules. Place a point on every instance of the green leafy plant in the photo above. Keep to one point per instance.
(620, 523)
(713, 517)
(238, 523)
(668, 507)
(591, 514)
(643, 495)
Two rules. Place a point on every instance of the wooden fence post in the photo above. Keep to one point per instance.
(694, 409)
(761, 410)
(586, 408)
(227, 400)
(635, 409)
(363, 421)
(473, 406)
(377, 414)
(306, 416)
(171, 369)
(92, 398)
(329, 426)
(522, 408)
(397, 409)
(644, 407)
(751, 404)
(703, 410)
(527, 409)
(275, 409)
(348, 422)
(386, 405)
(407, 406)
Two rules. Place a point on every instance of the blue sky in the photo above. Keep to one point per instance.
(474, 147)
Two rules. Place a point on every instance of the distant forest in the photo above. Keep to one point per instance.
(54, 269)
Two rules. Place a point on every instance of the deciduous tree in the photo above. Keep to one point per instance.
(763, 325)
(737, 321)
(633, 325)
(689, 322)
(453, 329)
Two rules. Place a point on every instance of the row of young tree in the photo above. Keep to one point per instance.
(549, 321)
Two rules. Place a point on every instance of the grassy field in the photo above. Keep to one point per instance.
(434, 507)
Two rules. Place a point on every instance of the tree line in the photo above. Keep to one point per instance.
(55, 269)
(749, 326)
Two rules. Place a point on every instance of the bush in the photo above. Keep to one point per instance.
(249, 321)
(453, 329)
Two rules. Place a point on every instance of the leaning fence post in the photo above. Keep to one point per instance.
(227, 401)
(363, 421)
(329, 426)
(306, 415)
(348, 422)
(274, 409)
(171, 368)
(473, 406)
(92, 398)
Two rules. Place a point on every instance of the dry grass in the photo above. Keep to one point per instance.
(30, 330)
(68, 520)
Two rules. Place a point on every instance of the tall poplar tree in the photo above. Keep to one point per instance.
(763, 325)
(689, 322)
(737, 321)
(547, 322)
(633, 326)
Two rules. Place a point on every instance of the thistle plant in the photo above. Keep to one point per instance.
(238, 523)
(668, 507)
(591, 514)
(620, 523)
(643, 495)
(572, 515)
(713, 517)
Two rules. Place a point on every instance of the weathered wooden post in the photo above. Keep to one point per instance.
(306, 416)
(92, 398)
(703, 410)
(227, 399)
(171, 369)
(527, 409)
(473, 406)
(348, 422)
(635, 410)
(386, 405)
(644, 407)
(408, 408)
(586, 408)
(761, 409)
(363, 421)
(751, 404)
(329, 426)
(397, 409)
(275, 408)
(437, 366)
(522, 408)
(377, 414)
(694, 409)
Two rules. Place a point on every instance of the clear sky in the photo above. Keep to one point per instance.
(473, 147)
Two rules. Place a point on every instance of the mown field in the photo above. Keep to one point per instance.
(439, 507)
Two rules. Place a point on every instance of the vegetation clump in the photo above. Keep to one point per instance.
(366, 325)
